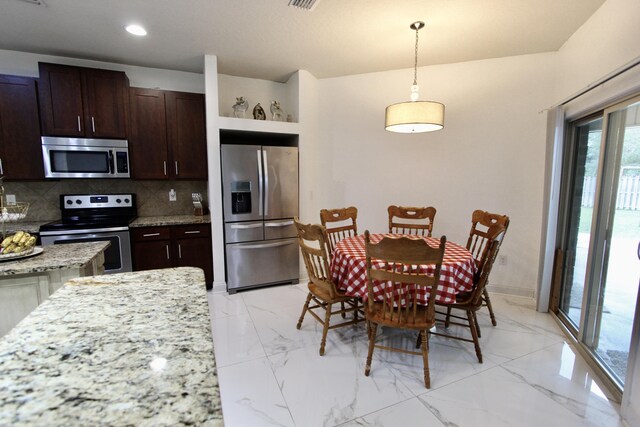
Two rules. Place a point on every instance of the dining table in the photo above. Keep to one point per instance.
(349, 268)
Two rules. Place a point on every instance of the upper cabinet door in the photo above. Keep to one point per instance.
(148, 136)
(60, 89)
(20, 148)
(105, 99)
(187, 135)
(82, 102)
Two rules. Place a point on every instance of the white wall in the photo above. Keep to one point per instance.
(26, 64)
(489, 156)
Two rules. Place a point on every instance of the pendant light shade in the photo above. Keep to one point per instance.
(414, 116)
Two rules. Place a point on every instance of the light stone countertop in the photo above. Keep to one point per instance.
(156, 221)
(31, 227)
(120, 349)
(55, 257)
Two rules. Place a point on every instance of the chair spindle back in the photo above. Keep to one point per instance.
(420, 220)
(339, 232)
(314, 246)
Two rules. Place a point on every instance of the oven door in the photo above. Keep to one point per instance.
(117, 257)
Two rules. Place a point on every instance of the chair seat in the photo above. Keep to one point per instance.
(325, 296)
(408, 320)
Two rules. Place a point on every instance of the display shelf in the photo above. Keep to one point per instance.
(252, 125)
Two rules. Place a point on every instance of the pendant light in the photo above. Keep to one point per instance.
(415, 116)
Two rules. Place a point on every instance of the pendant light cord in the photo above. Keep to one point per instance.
(415, 63)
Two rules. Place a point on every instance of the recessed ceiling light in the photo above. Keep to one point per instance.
(136, 30)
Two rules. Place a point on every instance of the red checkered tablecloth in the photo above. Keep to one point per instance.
(349, 268)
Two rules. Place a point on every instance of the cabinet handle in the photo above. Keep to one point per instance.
(192, 232)
(167, 247)
(93, 124)
(79, 127)
(1, 168)
(164, 166)
(179, 251)
(150, 234)
(176, 162)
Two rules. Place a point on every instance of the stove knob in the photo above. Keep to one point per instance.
(69, 202)
(78, 202)
(118, 201)
(126, 200)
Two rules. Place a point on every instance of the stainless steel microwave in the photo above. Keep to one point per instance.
(85, 158)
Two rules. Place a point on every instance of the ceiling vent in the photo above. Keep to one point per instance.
(302, 4)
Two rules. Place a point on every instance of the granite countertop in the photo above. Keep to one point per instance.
(120, 349)
(55, 257)
(155, 221)
(31, 227)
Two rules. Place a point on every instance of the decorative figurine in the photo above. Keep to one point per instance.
(258, 112)
(276, 111)
(240, 107)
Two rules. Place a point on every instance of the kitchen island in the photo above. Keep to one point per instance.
(26, 283)
(121, 349)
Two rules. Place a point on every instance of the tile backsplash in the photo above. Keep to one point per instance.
(152, 196)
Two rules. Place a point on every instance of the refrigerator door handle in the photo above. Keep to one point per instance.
(259, 182)
(266, 183)
(244, 226)
(278, 224)
(267, 245)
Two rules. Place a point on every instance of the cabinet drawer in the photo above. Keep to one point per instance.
(194, 230)
(150, 233)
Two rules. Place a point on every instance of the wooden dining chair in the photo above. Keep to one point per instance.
(314, 246)
(343, 221)
(471, 302)
(411, 220)
(476, 244)
(394, 268)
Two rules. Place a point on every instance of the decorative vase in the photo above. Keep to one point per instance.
(258, 112)
(276, 111)
(240, 107)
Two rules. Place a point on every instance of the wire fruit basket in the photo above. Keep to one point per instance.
(11, 213)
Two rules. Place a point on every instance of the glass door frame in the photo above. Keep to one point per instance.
(611, 144)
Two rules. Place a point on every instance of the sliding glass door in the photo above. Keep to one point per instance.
(600, 234)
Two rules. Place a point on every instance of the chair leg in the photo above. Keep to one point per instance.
(373, 329)
(448, 318)
(304, 311)
(425, 358)
(475, 320)
(474, 334)
(487, 300)
(344, 315)
(355, 312)
(325, 329)
(418, 340)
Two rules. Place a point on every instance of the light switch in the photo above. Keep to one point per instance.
(172, 195)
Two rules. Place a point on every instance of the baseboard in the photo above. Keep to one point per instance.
(511, 290)
(219, 287)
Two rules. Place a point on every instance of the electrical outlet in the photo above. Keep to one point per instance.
(172, 195)
(11, 199)
(502, 260)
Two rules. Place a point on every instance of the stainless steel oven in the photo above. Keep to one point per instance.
(117, 257)
(92, 218)
(85, 158)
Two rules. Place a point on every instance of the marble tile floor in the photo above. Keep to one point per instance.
(271, 374)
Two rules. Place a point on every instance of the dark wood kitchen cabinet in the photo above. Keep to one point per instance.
(167, 135)
(82, 102)
(20, 147)
(173, 246)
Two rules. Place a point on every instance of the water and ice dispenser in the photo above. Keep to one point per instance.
(240, 197)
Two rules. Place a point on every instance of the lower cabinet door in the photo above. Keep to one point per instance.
(261, 263)
(195, 252)
(151, 255)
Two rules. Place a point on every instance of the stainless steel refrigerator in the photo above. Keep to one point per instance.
(260, 199)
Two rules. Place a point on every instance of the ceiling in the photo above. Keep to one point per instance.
(267, 39)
